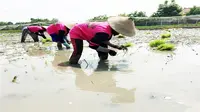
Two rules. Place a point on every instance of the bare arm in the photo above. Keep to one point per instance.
(111, 45)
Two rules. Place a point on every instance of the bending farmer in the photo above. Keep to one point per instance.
(34, 32)
(98, 35)
(58, 33)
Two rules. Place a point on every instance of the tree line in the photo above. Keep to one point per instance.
(32, 21)
(167, 9)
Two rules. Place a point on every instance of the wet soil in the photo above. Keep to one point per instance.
(140, 80)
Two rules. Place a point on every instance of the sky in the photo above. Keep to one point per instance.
(77, 10)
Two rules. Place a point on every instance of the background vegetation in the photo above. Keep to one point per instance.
(168, 15)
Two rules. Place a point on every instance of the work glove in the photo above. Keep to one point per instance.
(112, 53)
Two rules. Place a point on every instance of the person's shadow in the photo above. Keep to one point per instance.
(101, 80)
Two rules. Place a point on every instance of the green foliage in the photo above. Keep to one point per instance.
(156, 43)
(19, 23)
(36, 20)
(131, 15)
(10, 23)
(153, 27)
(99, 18)
(5, 23)
(137, 14)
(124, 14)
(54, 20)
(17, 28)
(194, 11)
(166, 47)
(10, 31)
(166, 9)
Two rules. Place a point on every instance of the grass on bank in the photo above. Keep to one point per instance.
(168, 26)
(138, 27)
(10, 31)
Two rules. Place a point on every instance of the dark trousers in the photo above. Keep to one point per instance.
(78, 49)
(25, 32)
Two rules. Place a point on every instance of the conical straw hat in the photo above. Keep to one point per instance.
(123, 25)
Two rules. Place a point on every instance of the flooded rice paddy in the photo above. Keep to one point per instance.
(140, 80)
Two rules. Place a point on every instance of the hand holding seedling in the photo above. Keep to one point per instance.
(122, 47)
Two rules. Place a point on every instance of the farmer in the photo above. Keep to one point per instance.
(34, 32)
(98, 35)
(58, 33)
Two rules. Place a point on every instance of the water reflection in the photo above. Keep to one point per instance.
(102, 80)
(60, 56)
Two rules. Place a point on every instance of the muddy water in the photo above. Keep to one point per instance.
(140, 80)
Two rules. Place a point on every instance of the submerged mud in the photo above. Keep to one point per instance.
(140, 80)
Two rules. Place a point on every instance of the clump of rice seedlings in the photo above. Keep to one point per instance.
(14, 79)
(168, 30)
(128, 44)
(46, 63)
(48, 40)
(120, 36)
(165, 35)
(148, 33)
(162, 45)
(166, 47)
(156, 43)
(44, 41)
